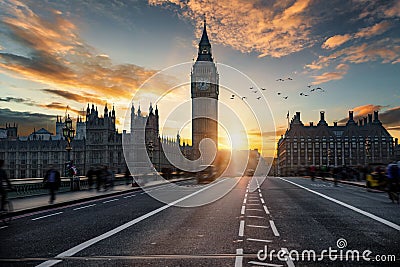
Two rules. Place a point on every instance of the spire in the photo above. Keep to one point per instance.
(151, 108)
(156, 110)
(204, 53)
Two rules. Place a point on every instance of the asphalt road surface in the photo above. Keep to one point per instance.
(286, 215)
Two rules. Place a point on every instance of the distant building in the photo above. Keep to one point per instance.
(353, 144)
(97, 142)
(396, 150)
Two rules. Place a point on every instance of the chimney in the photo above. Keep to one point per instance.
(369, 118)
(311, 123)
(298, 115)
(351, 118)
(396, 141)
(335, 123)
(376, 119)
(322, 115)
(365, 121)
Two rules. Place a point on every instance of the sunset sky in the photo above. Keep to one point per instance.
(67, 52)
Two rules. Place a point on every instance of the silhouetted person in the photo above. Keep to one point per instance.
(393, 182)
(4, 183)
(127, 176)
(90, 174)
(52, 181)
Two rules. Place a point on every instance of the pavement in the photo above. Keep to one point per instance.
(35, 203)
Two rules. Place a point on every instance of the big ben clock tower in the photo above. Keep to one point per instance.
(205, 90)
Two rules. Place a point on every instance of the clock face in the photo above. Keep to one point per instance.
(203, 85)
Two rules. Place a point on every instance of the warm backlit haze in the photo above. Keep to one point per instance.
(55, 54)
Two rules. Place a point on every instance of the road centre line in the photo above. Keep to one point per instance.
(252, 204)
(241, 228)
(243, 209)
(5, 226)
(370, 215)
(129, 196)
(88, 243)
(259, 240)
(253, 216)
(84, 207)
(111, 200)
(266, 209)
(260, 195)
(239, 257)
(255, 209)
(262, 201)
(276, 233)
(49, 215)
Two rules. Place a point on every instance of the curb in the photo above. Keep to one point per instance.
(75, 201)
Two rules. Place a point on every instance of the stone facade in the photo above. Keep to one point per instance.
(354, 144)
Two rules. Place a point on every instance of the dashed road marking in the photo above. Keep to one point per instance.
(241, 228)
(289, 261)
(260, 195)
(259, 240)
(129, 196)
(276, 233)
(49, 215)
(84, 207)
(255, 209)
(266, 209)
(252, 204)
(257, 226)
(262, 201)
(243, 209)
(239, 257)
(5, 226)
(111, 200)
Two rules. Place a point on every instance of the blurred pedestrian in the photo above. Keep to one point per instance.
(312, 172)
(52, 181)
(393, 181)
(90, 174)
(4, 182)
(99, 178)
(127, 176)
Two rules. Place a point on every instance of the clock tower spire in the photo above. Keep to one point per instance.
(205, 91)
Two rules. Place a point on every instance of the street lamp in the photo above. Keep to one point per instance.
(367, 150)
(69, 134)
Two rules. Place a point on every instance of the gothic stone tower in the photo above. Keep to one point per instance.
(204, 90)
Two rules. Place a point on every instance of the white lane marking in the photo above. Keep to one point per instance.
(255, 209)
(239, 257)
(259, 240)
(266, 209)
(252, 204)
(129, 196)
(244, 200)
(259, 190)
(370, 215)
(253, 197)
(111, 200)
(257, 226)
(260, 195)
(253, 216)
(5, 226)
(262, 201)
(241, 228)
(253, 200)
(243, 209)
(276, 233)
(49, 215)
(245, 195)
(289, 261)
(264, 264)
(72, 251)
(143, 193)
(84, 207)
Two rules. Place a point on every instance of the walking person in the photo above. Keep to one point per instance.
(393, 182)
(127, 176)
(52, 181)
(99, 178)
(90, 174)
(3, 188)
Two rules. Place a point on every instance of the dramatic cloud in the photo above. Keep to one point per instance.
(54, 54)
(341, 70)
(80, 98)
(272, 29)
(25, 101)
(336, 41)
(27, 121)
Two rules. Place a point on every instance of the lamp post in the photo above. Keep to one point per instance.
(367, 150)
(69, 134)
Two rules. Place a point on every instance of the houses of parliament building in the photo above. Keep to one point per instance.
(353, 144)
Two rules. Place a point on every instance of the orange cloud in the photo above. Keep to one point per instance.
(251, 26)
(336, 41)
(57, 56)
(376, 29)
(341, 70)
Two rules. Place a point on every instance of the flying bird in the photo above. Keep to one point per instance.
(259, 97)
(290, 79)
(251, 88)
(285, 97)
(301, 94)
(255, 91)
(305, 95)
(280, 80)
(243, 97)
(312, 90)
(279, 93)
(319, 88)
(263, 89)
(309, 86)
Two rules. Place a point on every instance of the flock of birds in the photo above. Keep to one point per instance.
(310, 89)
